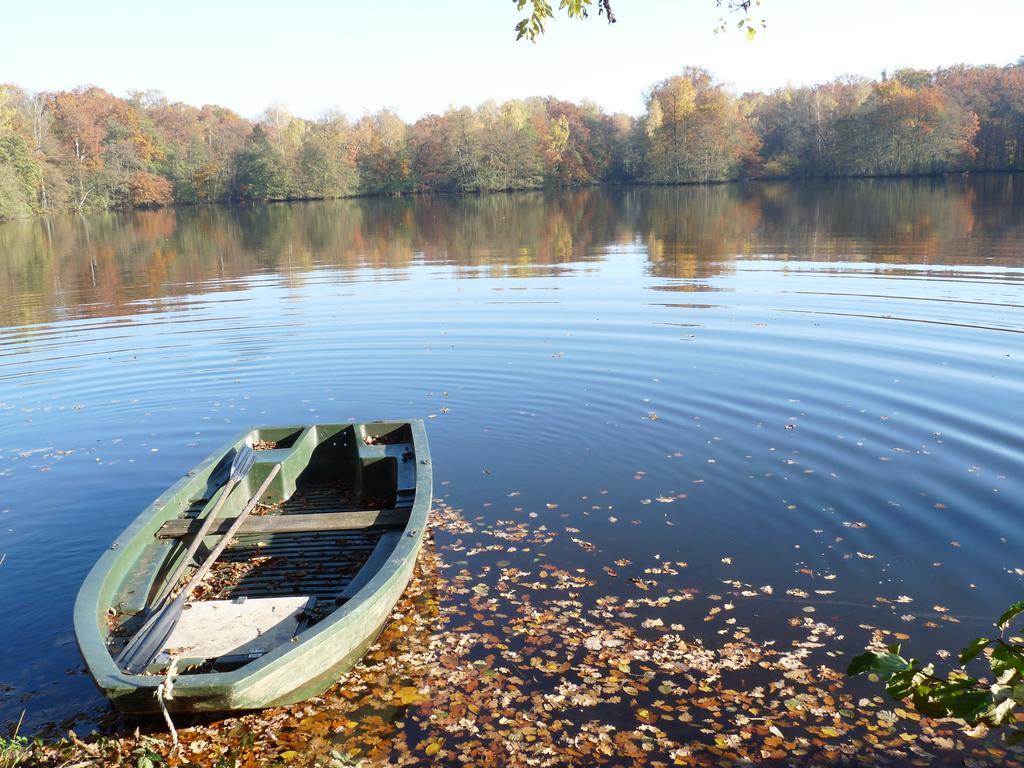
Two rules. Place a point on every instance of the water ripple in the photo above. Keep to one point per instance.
(775, 418)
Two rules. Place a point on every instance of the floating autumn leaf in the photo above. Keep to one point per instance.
(532, 660)
(408, 695)
(432, 748)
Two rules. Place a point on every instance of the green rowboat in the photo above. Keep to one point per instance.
(298, 595)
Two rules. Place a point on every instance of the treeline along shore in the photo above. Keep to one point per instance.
(86, 149)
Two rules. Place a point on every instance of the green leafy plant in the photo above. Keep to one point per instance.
(14, 751)
(541, 10)
(745, 22)
(534, 25)
(147, 758)
(959, 695)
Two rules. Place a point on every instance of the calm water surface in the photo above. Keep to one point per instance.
(804, 386)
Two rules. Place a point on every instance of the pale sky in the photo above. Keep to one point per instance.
(424, 55)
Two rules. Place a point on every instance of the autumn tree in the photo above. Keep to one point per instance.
(147, 190)
(286, 134)
(198, 143)
(447, 151)
(181, 137)
(803, 130)
(575, 141)
(79, 117)
(38, 120)
(105, 140)
(905, 129)
(382, 153)
(996, 96)
(510, 148)
(695, 131)
(626, 147)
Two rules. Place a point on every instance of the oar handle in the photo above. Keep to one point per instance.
(240, 466)
(226, 538)
(196, 541)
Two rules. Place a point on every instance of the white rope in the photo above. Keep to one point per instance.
(165, 692)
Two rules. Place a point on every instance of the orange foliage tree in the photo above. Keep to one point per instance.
(147, 190)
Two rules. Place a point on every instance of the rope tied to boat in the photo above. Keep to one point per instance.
(165, 692)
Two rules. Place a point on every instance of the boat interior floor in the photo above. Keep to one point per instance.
(321, 558)
(321, 545)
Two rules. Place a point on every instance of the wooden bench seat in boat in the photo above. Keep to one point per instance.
(323, 521)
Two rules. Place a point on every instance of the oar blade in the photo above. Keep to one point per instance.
(147, 646)
(243, 462)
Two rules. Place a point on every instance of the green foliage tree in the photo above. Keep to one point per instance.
(511, 151)
(994, 702)
(13, 204)
(260, 170)
(19, 178)
(328, 163)
(25, 141)
(323, 168)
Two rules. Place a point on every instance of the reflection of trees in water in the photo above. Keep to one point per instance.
(73, 266)
(953, 221)
(881, 220)
(694, 233)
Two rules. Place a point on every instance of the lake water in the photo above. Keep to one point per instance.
(810, 394)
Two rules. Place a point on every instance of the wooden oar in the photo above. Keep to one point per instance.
(240, 466)
(164, 622)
